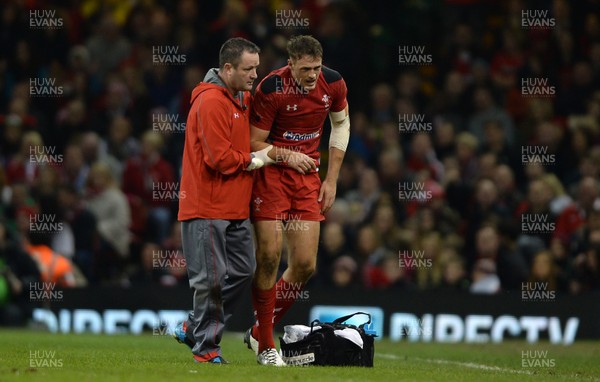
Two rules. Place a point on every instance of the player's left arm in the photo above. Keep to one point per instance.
(338, 142)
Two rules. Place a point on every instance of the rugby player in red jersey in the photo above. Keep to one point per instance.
(288, 197)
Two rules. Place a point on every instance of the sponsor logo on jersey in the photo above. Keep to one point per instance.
(300, 137)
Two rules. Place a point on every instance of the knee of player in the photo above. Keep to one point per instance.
(267, 251)
(304, 269)
(267, 264)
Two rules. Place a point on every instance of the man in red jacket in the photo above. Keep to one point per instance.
(214, 196)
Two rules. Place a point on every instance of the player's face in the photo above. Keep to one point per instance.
(306, 71)
(241, 78)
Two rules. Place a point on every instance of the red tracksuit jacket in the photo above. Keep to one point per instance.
(214, 184)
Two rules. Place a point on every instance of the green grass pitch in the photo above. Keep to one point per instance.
(39, 356)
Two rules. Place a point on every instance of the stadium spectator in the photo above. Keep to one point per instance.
(74, 170)
(145, 178)
(545, 272)
(427, 268)
(333, 245)
(485, 279)
(487, 110)
(367, 194)
(535, 215)
(71, 121)
(121, 144)
(422, 157)
(83, 225)
(466, 155)
(454, 274)
(107, 47)
(484, 210)
(343, 272)
(508, 266)
(443, 139)
(383, 271)
(24, 166)
(382, 102)
(509, 196)
(176, 267)
(17, 272)
(54, 268)
(586, 267)
(109, 206)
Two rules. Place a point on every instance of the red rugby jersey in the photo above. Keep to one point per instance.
(293, 116)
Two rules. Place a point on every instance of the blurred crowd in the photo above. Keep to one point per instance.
(83, 156)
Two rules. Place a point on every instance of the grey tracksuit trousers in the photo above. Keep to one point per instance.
(220, 263)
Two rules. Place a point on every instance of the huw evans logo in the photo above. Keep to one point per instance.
(290, 18)
(412, 123)
(536, 358)
(537, 155)
(44, 87)
(167, 123)
(536, 223)
(288, 156)
(44, 223)
(410, 327)
(168, 259)
(413, 55)
(167, 192)
(413, 191)
(44, 291)
(44, 358)
(45, 19)
(537, 19)
(413, 259)
(161, 328)
(289, 86)
(291, 222)
(537, 88)
(537, 291)
(291, 292)
(167, 55)
(44, 155)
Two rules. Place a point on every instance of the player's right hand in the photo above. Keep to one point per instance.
(300, 162)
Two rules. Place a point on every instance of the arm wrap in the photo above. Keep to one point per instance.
(340, 129)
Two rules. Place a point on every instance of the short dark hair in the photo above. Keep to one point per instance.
(232, 50)
(303, 45)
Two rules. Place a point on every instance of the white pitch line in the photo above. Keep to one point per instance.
(470, 365)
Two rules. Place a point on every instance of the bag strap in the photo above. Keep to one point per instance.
(313, 323)
(344, 318)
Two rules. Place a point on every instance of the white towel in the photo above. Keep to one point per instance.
(351, 335)
(295, 333)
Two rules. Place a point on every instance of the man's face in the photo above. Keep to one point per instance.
(306, 71)
(487, 242)
(241, 78)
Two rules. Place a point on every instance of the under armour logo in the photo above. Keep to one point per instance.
(236, 115)
(292, 107)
